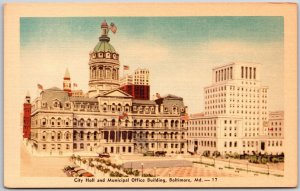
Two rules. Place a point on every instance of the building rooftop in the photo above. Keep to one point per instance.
(145, 102)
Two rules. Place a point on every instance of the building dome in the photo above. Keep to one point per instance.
(104, 46)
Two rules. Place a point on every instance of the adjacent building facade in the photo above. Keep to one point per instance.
(236, 114)
(137, 85)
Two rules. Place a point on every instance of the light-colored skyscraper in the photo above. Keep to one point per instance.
(236, 112)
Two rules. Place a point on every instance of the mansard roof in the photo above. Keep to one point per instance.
(54, 93)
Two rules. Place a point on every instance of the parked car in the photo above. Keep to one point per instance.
(149, 153)
(73, 172)
(104, 155)
(86, 174)
(160, 153)
(79, 173)
(69, 167)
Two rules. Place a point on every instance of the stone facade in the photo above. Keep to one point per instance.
(106, 119)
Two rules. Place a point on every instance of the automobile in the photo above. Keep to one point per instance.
(79, 173)
(149, 153)
(104, 155)
(69, 167)
(160, 153)
(86, 174)
(74, 171)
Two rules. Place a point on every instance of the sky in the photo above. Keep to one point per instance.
(180, 52)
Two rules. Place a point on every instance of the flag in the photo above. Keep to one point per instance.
(123, 115)
(40, 87)
(270, 129)
(75, 85)
(113, 27)
(125, 67)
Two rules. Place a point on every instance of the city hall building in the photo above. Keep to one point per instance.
(236, 117)
(109, 117)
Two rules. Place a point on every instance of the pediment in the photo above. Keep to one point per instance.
(117, 93)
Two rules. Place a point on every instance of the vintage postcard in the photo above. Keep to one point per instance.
(126, 95)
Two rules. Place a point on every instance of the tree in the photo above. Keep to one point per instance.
(236, 155)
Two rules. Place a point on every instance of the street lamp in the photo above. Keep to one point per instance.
(142, 169)
(155, 171)
(214, 161)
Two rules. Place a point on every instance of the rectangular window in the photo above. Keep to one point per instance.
(242, 72)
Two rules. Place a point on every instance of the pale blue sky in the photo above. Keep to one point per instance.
(179, 51)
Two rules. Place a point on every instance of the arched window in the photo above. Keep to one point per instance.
(81, 135)
(52, 121)
(104, 107)
(172, 123)
(113, 107)
(59, 135)
(81, 122)
(166, 123)
(75, 122)
(104, 122)
(59, 121)
(152, 123)
(44, 122)
(44, 135)
(113, 122)
(95, 135)
(95, 122)
(52, 135)
(119, 108)
(141, 123)
(67, 135)
(88, 122)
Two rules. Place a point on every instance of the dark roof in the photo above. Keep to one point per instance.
(171, 96)
(49, 95)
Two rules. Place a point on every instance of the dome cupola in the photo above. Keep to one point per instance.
(104, 64)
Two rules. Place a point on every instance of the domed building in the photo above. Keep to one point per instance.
(104, 65)
(106, 119)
